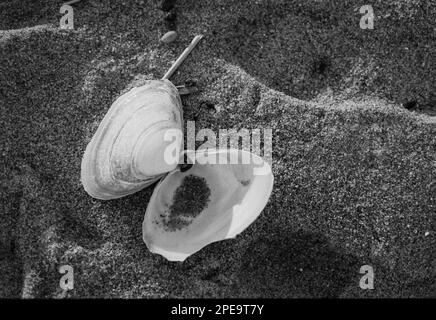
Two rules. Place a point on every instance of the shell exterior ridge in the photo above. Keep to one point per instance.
(107, 165)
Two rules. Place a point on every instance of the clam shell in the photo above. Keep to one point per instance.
(238, 194)
(126, 152)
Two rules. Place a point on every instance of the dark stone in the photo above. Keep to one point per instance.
(410, 104)
(170, 16)
(170, 19)
(185, 167)
(320, 66)
(208, 106)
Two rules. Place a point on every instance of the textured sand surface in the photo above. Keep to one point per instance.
(355, 171)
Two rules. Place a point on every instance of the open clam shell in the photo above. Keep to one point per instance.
(127, 151)
(207, 203)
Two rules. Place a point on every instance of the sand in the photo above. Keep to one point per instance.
(354, 169)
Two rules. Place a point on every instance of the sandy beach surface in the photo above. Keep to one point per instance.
(353, 116)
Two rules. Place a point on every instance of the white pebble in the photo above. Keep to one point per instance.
(169, 37)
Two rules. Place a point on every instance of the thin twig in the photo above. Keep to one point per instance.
(182, 57)
(71, 2)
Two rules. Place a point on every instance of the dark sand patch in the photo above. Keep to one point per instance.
(353, 179)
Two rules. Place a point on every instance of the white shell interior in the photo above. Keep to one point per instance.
(239, 192)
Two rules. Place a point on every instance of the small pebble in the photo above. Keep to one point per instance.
(169, 37)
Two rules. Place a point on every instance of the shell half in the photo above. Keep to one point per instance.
(127, 152)
(225, 197)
